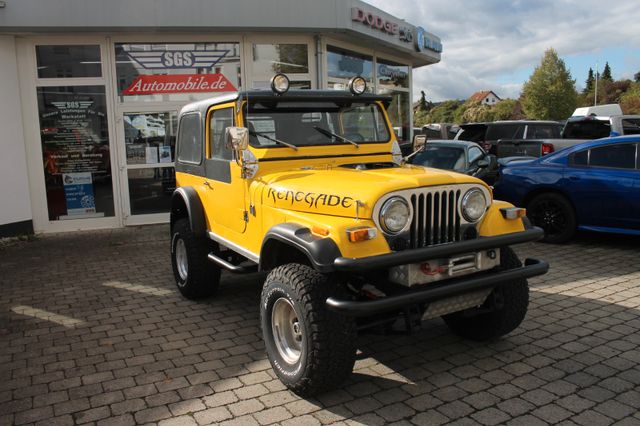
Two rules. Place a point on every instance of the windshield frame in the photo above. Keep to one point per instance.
(260, 107)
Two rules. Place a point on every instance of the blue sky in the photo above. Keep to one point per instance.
(496, 44)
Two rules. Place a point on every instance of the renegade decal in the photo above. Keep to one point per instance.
(310, 198)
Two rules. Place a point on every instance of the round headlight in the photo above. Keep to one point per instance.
(357, 85)
(394, 215)
(474, 205)
(280, 83)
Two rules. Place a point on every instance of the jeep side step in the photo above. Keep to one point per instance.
(238, 269)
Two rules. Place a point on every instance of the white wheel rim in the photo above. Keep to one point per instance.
(181, 259)
(287, 331)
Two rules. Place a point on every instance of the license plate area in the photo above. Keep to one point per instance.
(439, 269)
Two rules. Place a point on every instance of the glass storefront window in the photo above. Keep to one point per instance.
(68, 61)
(399, 114)
(343, 64)
(76, 152)
(160, 72)
(393, 79)
(269, 59)
(392, 75)
(150, 138)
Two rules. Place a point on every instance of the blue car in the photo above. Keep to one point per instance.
(592, 186)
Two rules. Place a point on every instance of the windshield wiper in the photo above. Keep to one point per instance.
(264, 135)
(331, 134)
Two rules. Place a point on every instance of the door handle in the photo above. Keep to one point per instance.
(207, 184)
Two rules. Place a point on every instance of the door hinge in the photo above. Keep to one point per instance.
(245, 216)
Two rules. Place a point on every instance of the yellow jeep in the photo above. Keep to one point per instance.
(311, 186)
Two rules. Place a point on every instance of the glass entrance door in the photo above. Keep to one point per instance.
(71, 154)
(148, 175)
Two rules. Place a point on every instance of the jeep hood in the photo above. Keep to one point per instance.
(337, 191)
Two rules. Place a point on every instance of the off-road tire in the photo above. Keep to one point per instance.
(555, 215)
(327, 341)
(201, 277)
(501, 313)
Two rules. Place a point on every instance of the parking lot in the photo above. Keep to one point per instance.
(93, 331)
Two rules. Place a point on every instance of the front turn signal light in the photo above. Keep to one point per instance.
(361, 233)
(318, 230)
(512, 213)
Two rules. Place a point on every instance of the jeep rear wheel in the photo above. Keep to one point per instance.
(311, 348)
(502, 312)
(196, 277)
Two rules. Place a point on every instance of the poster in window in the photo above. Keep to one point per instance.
(165, 154)
(75, 148)
(151, 154)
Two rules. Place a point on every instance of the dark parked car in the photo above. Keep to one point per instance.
(592, 186)
(488, 134)
(460, 156)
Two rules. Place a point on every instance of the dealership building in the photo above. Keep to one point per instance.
(91, 89)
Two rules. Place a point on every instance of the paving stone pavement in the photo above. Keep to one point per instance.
(92, 331)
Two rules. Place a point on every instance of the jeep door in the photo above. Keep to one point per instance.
(225, 190)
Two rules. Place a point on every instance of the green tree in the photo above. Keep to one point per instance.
(630, 100)
(422, 103)
(474, 111)
(588, 85)
(444, 112)
(550, 92)
(507, 109)
(420, 118)
(636, 77)
(606, 73)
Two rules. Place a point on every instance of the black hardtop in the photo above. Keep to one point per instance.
(267, 96)
(311, 95)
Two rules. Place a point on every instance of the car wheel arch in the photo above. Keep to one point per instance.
(291, 240)
(185, 203)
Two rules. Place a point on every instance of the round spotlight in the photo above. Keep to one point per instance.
(280, 83)
(357, 85)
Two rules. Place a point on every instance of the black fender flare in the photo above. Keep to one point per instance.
(188, 197)
(321, 251)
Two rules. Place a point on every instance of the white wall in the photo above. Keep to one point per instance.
(15, 205)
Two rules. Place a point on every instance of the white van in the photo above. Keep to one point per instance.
(606, 110)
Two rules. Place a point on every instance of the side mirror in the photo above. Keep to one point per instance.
(237, 138)
(419, 141)
(483, 163)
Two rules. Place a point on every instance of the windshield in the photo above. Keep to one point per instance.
(441, 157)
(315, 123)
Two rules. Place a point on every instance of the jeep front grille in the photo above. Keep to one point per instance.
(436, 218)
